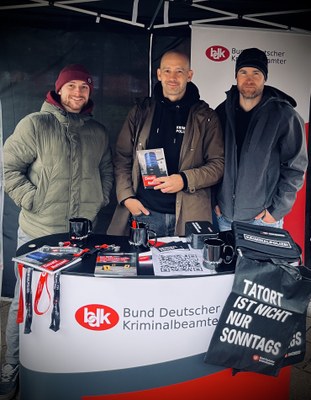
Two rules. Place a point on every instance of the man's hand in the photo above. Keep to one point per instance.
(135, 207)
(169, 184)
(217, 211)
(266, 217)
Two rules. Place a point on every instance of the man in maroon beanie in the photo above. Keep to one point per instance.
(57, 165)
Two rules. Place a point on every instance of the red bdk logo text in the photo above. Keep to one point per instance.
(97, 317)
(217, 53)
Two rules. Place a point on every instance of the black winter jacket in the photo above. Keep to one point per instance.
(273, 158)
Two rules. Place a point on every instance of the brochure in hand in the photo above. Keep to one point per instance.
(50, 259)
(116, 264)
(152, 165)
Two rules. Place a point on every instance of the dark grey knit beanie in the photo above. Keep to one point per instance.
(252, 58)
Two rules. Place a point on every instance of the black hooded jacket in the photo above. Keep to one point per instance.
(273, 157)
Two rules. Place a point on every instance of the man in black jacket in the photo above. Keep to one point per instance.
(265, 148)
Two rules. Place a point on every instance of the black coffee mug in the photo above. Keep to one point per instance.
(214, 253)
(140, 235)
(79, 229)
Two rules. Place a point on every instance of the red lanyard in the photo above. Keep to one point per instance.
(20, 311)
(42, 284)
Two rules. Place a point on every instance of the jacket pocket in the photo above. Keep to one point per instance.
(40, 194)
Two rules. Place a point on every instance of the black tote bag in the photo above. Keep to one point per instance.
(262, 327)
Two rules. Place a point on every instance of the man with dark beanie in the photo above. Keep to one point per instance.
(266, 155)
(188, 131)
(57, 165)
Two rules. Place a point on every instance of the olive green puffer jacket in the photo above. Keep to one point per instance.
(57, 165)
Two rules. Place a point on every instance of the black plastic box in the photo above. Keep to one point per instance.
(197, 231)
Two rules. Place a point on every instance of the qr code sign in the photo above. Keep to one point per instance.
(180, 263)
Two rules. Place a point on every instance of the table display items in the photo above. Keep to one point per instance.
(142, 253)
(49, 261)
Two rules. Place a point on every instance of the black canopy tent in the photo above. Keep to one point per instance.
(163, 14)
(121, 43)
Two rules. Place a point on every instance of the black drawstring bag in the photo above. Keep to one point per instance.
(262, 327)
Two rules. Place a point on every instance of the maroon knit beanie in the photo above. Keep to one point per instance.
(73, 72)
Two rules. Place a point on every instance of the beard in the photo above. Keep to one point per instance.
(250, 92)
(72, 105)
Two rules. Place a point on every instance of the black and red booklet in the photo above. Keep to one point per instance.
(152, 165)
(50, 259)
(115, 264)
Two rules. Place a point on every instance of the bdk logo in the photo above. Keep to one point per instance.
(97, 317)
(217, 53)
